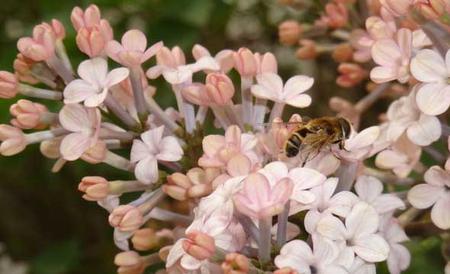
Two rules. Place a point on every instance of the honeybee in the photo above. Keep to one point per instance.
(311, 137)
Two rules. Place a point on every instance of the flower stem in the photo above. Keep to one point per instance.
(117, 161)
(246, 96)
(119, 187)
(201, 114)
(282, 224)
(121, 113)
(58, 66)
(151, 203)
(260, 112)
(156, 110)
(366, 102)
(264, 244)
(347, 175)
(37, 137)
(277, 111)
(169, 216)
(39, 92)
(138, 93)
(62, 53)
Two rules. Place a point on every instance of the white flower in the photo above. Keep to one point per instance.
(399, 256)
(428, 66)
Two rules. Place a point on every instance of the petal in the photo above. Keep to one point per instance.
(424, 195)
(190, 263)
(97, 99)
(325, 250)
(428, 66)
(312, 217)
(77, 91)
(371, 248)
(297, 85)
(433, 99)
(383, 74)
(404, 40)
(152, 138)
(134, 40)
(139, 151)
(93, 71)
(440, 213)
(331, 227)
(269, 86)
(298, 249)
(299, 101)
(74, 145)
(306, 178)
(362, 220)
(170, 150)
(116, 76)
(368, 188)
(399, 259)
(386, 53)
(74, 117)
(389, 159)
(151, 51)
(425, 131)
(303, 197)
(363, 139)
(175, 253)
(275, 171)
(388, 203)
(342, 203)
(212, 143)
(436, 176)
(146, 170)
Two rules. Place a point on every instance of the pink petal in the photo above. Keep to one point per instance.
(433, 99)
(399, 259)
(177, 76)
(386, 53)
(116, 76)
(74, 145)
(113, 48)
(436, 176)
(306, 178)
(96, 99)
(404, 40)
(275, 171)
(74, 117)
(152, 138)
(139, 151)
(362, 220)
(383, 74)
(368, 188)
(282, 191)
(425, 131)
(134, 40)
(170, 150)
(151, 51)
(146, 170)
(212, 143)
(389, 159)
(233, 136)
(363, 139)
(270, 86)
(299, 101)
(297, 85)
(331, 227)
(371, 248)
(428, 66)
(176, 252)
(93, 71)
(78, 91)
(239, 165)
(440, 213)
(424, 195)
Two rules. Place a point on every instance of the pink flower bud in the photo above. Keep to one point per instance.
(285, 270)
(50, 148)
(41, 46)
(22, 67)
(126, 218)
(129, 262)
(336, 15)
(397, 7)
(85, 19)
(351, 75)
(91, 42)
(95, 154)
(235, 263)
(27, 114)
(266, 63)
(219, 88)
(94, 187)
(432, 9)
(245, 63)
(289, 32)
(144, 239)
(177, 186)
(9, 86)
(13, 140)
(199, 245)
(342, 53)
(307, 50)
(58, 29)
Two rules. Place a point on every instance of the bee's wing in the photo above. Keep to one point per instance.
(269, 125)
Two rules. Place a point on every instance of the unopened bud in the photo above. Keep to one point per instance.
(289, 32)
(95, 154)
(8, 85)
(13, 140)
(199, 245)
(307, 50)
(219, 88)
(129, 262)
(245, 63)
(126, 218)
(177, 186)
(235, 263)
(94, 187)
(342, 53)
(27, 114)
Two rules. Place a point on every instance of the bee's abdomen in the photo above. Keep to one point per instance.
(293, 145)
(291, 151)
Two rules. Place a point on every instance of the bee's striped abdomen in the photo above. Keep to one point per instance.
(293, 145)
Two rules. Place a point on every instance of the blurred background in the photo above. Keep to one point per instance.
(45, 225)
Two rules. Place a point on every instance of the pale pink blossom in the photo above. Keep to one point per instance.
(359, 145)
(152, 148)
(266, 63)
(84, 123)
(321, 259)
(27, 114)
(245, 62)
(359, 233)
(223, 58)
(132, 51)
(393, 57)
(397, 7)
(399, 256)
(336, 16)
(258, 199)
(12, 139)
(218, 90)
(270, 86)
(218, 149)
(126, 218)
(428, 66)
(39, 47)
(370, 190)
(401, 157)
(404, 116)
(360, 266)
(94, 84)
(9, 85)
(94, 187)
(434, 193)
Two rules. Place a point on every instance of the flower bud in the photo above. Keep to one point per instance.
(307, 50)
(50, 148)
(177, 186)
(41, 46)
(95, 154)
(144, 239)
(27, 114)
(13, 140)
(199, 245)
(95, 188)
(219, 88)
(266, 63)
(22, 67)
(432, 9)
(235, 263)
(289, 32)
(245, 63)
(90, 42)
(351, 75)
(342, 53)
(126, 218)
(9, 86)
(87, 18)
(129, 262)
(285, 270)
(58, 29)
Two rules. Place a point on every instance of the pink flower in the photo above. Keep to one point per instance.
(359, 145)
(9, 86)
(245, 62)
(266, 63)
(404, 116)
(41, 46)
(397, 7)
(95, 188)
(199, 245)
(370, 190)
(133, 50)
(433, 97)
(224, 58)
(152, 148)
(270, 86)
(13, 140)
(218, 149)
(359, 233)
(129, 262)
(27, 114)
(350, 75)
(84, 123)
(435, 193)
(336, 16)
(218, 90)
(393, 57)
(258, 199)
(126, 218)
(401, 157)
(320, 260)
(94, 84)
(399, 256)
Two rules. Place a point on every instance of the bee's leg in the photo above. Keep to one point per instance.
(342, 145)
(334, 153)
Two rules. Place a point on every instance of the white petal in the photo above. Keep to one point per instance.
(170, 150)
(297, 85)
(152, 138)
(436, 176)
(93, 71)
(331, 227)
(372, 248)
(425, 131)
(383, 74)
(368, 188)
(271, 84)
(299, 101)
(388, 203)
(440, 213)
(325, 250)
(362, 220)
(116, 76)
(389, 159)
(190, 263)
(77, 91)
(428, 66)
(424, 195)
(97, 99)
(399, 259)
(342, 203)
(139, 151)
(386, 52)
(146, 170)
(74, 117)
(433, 99)
(175, 253)
(74, 145)
(305, 178)
(363, 139)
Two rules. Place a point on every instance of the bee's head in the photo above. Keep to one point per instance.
(346, 127)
